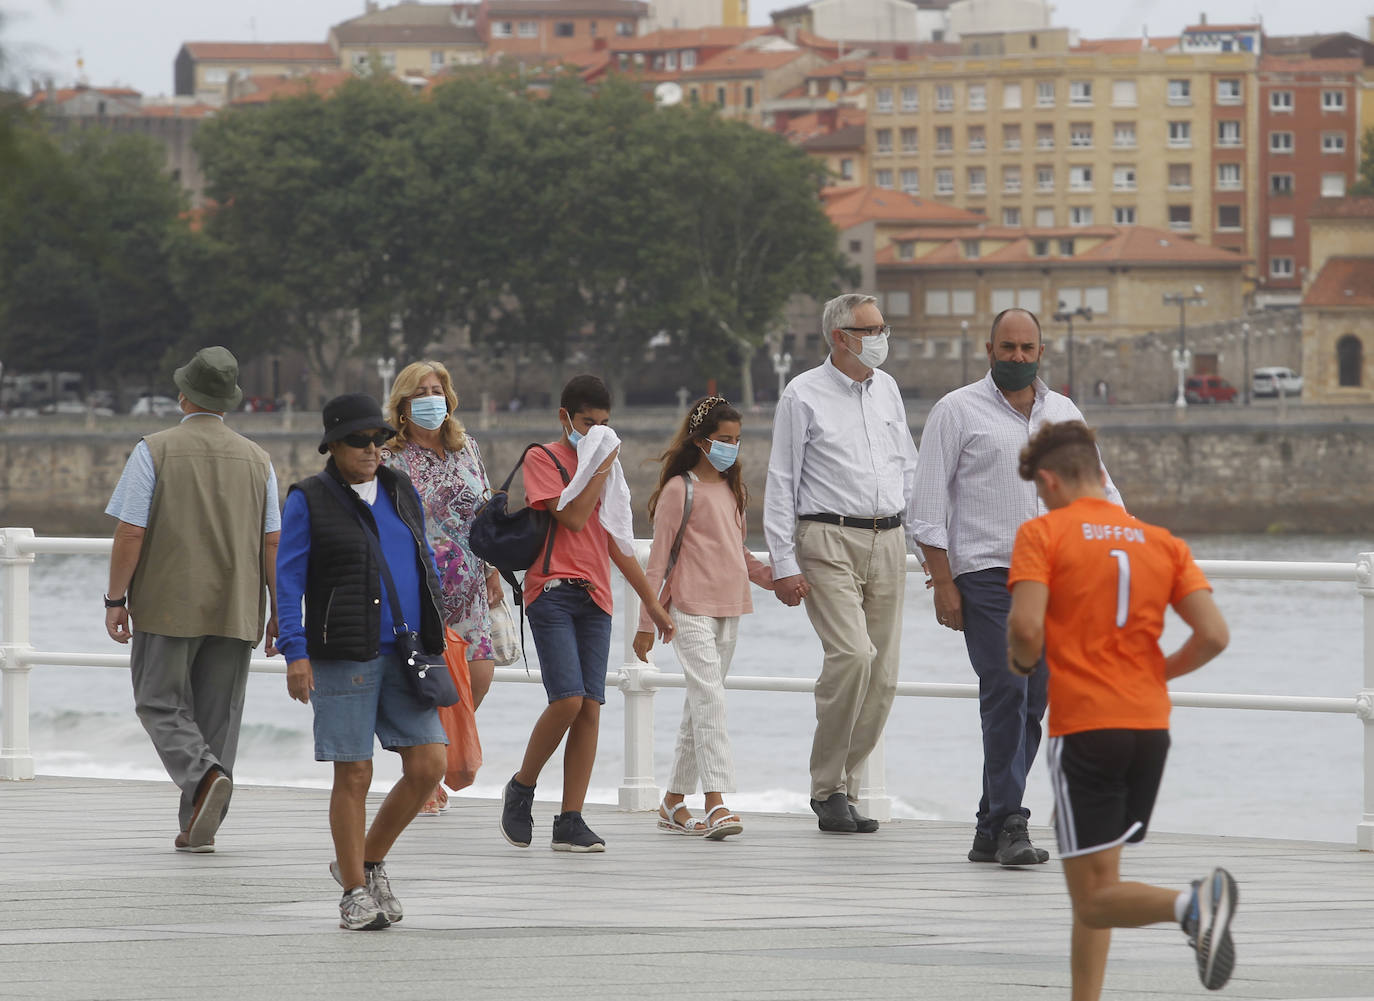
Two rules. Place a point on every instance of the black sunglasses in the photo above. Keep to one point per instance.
(361, 439)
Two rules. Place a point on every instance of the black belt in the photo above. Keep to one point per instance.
(848, 521)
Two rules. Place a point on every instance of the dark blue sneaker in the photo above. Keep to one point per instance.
(571, 834)
(517, 818)
(1207, 923)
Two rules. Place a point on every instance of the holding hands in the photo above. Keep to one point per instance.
(791, 590)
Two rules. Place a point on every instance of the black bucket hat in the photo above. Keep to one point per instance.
(351, 412)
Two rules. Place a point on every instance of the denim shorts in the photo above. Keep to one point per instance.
(573, 636)
(353, 699)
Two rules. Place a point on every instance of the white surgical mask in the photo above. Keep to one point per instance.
(872, 350)
(428, 411)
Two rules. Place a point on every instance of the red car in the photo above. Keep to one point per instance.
(1208, 389)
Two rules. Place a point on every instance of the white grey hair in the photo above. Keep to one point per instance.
(839, 312)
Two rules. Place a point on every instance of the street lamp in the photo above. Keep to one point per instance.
(1066, 315)
(386, 369)
(1183, 358)
(782, 364)
(1245, 374)
(963, 352)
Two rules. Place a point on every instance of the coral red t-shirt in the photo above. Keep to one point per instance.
(575, 554)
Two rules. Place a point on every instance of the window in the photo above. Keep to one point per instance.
(1228, 217)
(1081, 135)
(1333, 185)
(1044, 94)
(977, 181)
(1065, 248)
(1044, 136)
(1180, 92)
(1280, 100)
(1044, 218)
(961, 302)
(748, 95)
(1080, 178)
(944, 139)
(436, 60)
(1333, 100)
(720, 96)
(1123, 93)
(911, 99)
(1228, 176)
(1011, 95)
(1044, 178)
(562, 29)
(670, 60)
(1280, 267)
(1040, 248)
(1228, 133)
(884, 140)
(1280, 142)
(884, 98)
(944, 182)
(1080, 92)
(529, 29)
(856, 246)
(977, 97)
(937, 302)
(971, 248)
(1123, 177)
(909, 144)
(1011, 138)
(1180, 176)
(1011, 217)
(1124, 215)
(1181, 217)
(944, 97)
(1080, 215)
(1123, 135)
(388, 60)
(1011, 180)
(1280, 226)
(977, 138)
(911, 181)
(1350, 361)
(1180, 134)
(218, 74)
(883, 178)
(897, 304)
(689, 58)
(847, 169)
(625, 29)
(1280, 184)
(1228, 91)
(1333, 142)
(502, 29)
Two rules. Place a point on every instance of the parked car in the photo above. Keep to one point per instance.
(1208, 389)
(158, 406)
(1273, 379)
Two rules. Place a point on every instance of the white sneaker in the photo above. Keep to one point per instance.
(359, 912)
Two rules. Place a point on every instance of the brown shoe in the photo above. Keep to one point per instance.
(211, 798)
(183, 844)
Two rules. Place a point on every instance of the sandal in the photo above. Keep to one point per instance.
(693, 828)
(724, 825)
(441, 798)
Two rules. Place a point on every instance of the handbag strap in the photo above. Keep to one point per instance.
(677, 542)
(398, 623)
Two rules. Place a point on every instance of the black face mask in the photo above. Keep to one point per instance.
(1013, 375)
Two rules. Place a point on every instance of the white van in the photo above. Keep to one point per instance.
(1273, 379)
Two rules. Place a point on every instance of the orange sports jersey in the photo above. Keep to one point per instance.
(1110, 578)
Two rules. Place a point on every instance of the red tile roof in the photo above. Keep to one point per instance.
(269, 52)
(850, 206)
(1342, 208)
(261, 89)
(740, 61)
(1343, 281)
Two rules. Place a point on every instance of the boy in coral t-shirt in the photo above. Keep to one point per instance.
(1089, 586)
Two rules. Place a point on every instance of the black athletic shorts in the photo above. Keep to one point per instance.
(1105, 783)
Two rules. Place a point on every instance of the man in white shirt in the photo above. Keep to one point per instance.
(969, 502)
(840, 484)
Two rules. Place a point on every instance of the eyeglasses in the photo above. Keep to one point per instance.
(869, 331)
(361, 439)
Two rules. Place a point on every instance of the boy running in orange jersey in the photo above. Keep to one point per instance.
(1089, 585)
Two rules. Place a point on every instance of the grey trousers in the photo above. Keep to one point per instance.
(188, 692)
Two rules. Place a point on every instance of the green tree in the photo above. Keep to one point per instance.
(1364, 185)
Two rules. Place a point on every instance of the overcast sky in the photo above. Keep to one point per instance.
(133, 42)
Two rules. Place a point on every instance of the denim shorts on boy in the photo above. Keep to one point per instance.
(1104, 783)
(354, 699)
(573, 636)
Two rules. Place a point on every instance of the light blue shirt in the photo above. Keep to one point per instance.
(132, 499)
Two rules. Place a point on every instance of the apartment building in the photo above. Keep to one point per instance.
(524, 28)
(1338, 302)
(409, 39)
(206, 71)
(1034, 131)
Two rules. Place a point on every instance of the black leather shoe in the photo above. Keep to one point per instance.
(862, 824)
(834, 814)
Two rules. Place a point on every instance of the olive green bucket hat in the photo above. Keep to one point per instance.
(210, 379)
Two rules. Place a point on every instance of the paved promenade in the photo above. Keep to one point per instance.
(98, 906)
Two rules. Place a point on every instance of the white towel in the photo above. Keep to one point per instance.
(599, 442)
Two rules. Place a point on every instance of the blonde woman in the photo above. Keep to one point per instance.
(441, 459)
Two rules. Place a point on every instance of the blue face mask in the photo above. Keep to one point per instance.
(722, 455)
(428, 411)
(574, 435)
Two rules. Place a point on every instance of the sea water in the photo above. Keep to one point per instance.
(1231, 772)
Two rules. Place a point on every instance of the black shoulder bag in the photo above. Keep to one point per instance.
(426, 674)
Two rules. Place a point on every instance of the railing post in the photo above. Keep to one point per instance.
(639, 788)
(16, 757)
(873, 799)
(1364, 701)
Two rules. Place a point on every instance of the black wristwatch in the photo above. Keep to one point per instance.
(116, 602)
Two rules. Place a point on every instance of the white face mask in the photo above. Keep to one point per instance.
(872, 350)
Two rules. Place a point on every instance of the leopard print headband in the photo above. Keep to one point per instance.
(702, 409)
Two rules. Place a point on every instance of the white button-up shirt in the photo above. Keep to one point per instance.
(839, 447)
(970, 499)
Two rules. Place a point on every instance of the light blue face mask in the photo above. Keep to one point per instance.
(428, 411)
(722, 455)
(574, 435)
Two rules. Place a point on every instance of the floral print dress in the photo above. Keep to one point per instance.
(451, 489)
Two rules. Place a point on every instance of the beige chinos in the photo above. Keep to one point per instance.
(858, 583)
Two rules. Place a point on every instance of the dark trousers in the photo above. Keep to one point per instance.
(1011, 706)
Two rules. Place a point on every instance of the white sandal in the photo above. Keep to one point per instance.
(693, 828)
(723, 827)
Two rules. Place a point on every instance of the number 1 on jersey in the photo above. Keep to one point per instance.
(1123, 585)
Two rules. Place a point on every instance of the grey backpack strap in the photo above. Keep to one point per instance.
(677, 542)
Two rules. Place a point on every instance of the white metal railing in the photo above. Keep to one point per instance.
(638, 681)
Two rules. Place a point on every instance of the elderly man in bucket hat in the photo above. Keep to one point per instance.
(194, 564)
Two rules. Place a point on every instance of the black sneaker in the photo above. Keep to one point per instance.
(1014, 845)
(517, 818)
(1207, 923)
(571, 834)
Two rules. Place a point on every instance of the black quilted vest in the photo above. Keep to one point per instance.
(343, 590)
